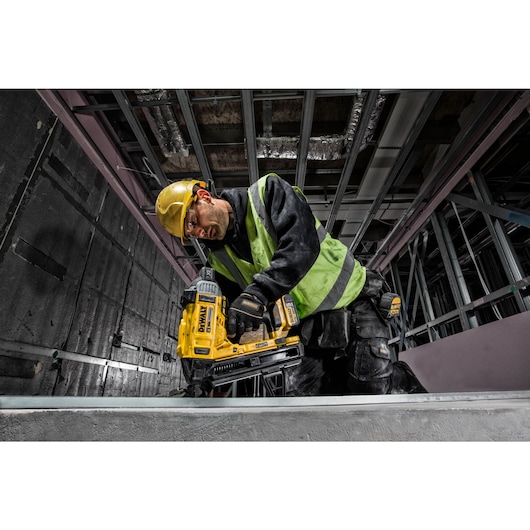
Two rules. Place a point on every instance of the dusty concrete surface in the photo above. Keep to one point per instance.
(472, 417)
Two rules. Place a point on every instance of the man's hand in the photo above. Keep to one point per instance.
(245, 314)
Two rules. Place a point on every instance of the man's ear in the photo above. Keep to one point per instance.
(204, 195)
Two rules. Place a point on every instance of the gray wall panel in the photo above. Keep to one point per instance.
(74, 176)
(118, 223)
(24, 123)
(157, 317)
(42, 268)
(79, 379)
(75, 267)
(98, 308)
(145, 252)
(121, 383)
(135, 307)
(165, 274)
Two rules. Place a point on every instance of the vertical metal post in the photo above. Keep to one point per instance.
(509, 260)
(132, 120)
(402, 322)
(424, 291)
(399, 166)
(437, 302)
(416, 297)
(413, 255)
(193, 130)
(453, 270)
(305, 135)
(396, 281)
(200, 251)
(250, 135)
(366, 113)
(267, 118)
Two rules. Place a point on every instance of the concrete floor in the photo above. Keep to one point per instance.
(496, 416)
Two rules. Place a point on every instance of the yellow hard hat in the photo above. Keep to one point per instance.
(173, 203)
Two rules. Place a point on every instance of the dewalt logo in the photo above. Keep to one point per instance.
(202, 319)
(205, 319)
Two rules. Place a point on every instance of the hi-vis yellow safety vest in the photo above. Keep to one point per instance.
(335, 279)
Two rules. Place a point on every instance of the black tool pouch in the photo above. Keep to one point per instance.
(327, 330)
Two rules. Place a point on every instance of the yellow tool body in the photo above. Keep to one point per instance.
(206, 351)
(202, 331)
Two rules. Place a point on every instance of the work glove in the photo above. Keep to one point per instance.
(245, 314)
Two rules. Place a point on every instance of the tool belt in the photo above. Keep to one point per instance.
(327, 330)
(332, 329)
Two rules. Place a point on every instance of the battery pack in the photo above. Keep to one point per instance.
(389, 305)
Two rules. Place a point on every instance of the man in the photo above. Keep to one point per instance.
(266, 242)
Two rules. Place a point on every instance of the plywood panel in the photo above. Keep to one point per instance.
(492, 357)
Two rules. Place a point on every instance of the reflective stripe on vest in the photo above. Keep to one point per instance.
(334, 280)
(227, 263)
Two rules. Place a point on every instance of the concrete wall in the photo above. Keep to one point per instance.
(78, 274)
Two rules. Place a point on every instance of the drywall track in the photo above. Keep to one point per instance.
(500, 416)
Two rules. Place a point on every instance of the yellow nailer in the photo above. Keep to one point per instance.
(210, 359)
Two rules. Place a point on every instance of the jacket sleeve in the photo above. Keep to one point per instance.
(229, 289)
(297, 241)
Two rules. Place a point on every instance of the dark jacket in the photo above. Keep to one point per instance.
(298, 244)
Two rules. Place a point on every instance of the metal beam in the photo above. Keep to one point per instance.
(229, 405)
(467, 139)
(490, 298)
(250, 135)
(279, 95)
(412, 253)
(132, 120)
(453, 270)
(97, 145)
(471, 144)
(193, 131)
(520, 218)
(404, 153)
(22, 350)
(305, 134)
(508, 257)
(369, 105)
(423, 291)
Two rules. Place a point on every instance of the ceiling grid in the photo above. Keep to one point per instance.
(373, 164)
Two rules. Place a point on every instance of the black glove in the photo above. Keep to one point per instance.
(245, 314)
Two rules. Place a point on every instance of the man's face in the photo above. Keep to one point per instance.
(207, 219)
